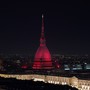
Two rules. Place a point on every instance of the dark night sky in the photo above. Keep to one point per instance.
(67, 26)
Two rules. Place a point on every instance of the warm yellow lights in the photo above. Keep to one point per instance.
(74, 82)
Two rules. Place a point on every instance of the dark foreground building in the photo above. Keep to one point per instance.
(13, 84)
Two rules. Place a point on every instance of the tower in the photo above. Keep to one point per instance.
(42, 59)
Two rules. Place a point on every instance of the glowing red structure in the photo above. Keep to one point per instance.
(42, 58)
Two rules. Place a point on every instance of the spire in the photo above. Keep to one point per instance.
(42, 33)
(42, 39)
(42, 60)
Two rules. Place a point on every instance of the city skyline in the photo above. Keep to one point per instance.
(66, 27)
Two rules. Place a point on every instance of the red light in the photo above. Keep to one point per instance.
(58, 66)
(24, 67)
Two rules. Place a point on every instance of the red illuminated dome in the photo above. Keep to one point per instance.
(42, 58)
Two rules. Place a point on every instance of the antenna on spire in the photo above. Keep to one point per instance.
(42, 15)
(43, 24)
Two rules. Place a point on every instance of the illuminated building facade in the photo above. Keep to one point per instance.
(42, 58)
